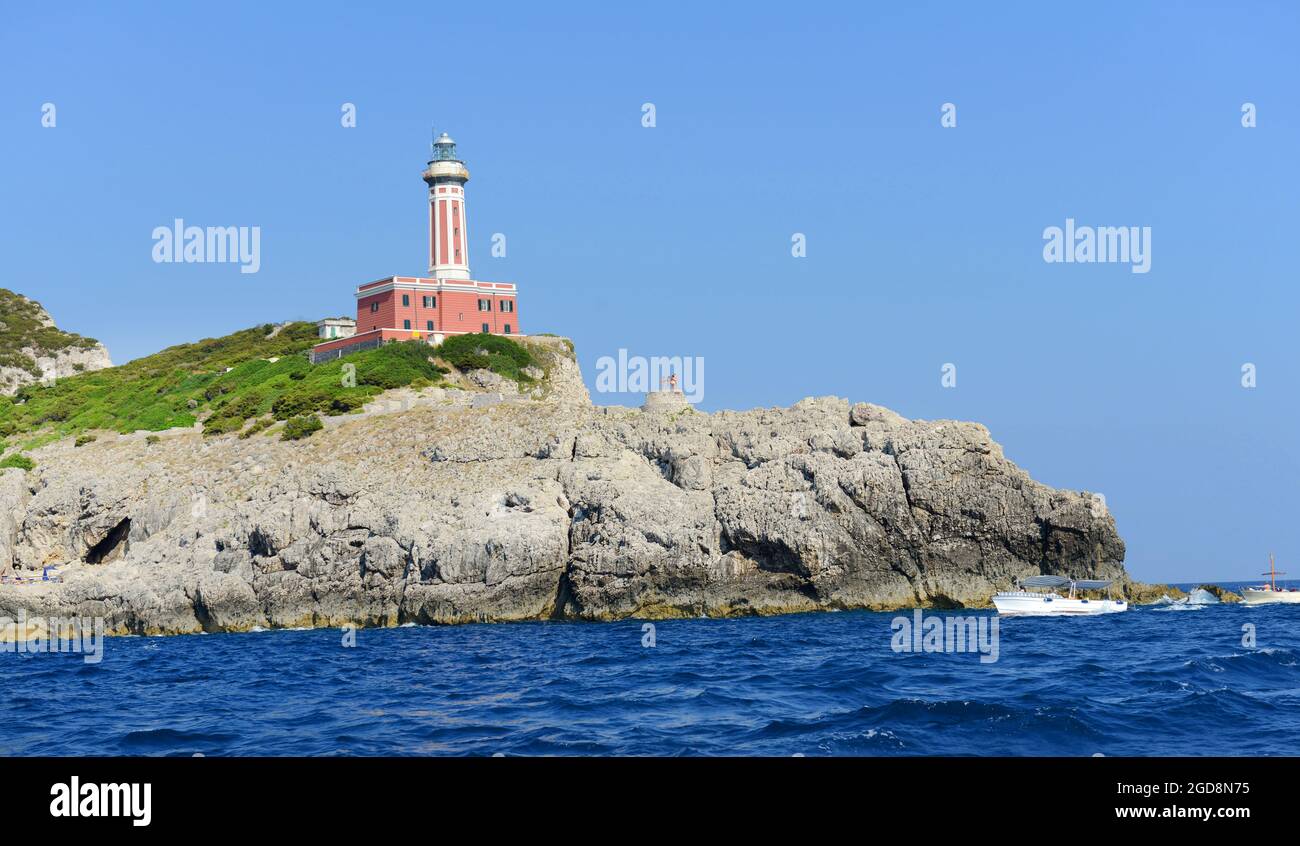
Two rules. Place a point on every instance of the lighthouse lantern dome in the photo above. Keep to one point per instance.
(444, 149)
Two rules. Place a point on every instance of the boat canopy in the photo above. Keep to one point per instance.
(1045, 581)
(1064, 581)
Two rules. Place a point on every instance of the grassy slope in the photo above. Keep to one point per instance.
(22, 328)
(189, 382)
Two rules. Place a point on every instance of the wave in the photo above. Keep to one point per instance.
(172, 740)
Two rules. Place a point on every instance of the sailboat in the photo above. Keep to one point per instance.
(1053, 604)
(1270, 593)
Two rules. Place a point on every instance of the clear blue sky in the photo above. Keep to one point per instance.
(924, 243)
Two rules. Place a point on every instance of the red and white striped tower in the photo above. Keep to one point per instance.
(448, 235)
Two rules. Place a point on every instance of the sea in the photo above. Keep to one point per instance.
(1224, 680)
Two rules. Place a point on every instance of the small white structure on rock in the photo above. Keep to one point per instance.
(336, 327)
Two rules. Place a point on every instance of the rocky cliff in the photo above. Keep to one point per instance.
(33, 349)
(457, 506)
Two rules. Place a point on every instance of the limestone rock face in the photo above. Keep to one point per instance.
(538, 506)
(34, 340)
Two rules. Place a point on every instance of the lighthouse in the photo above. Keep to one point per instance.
(446, 176)
(429, 308)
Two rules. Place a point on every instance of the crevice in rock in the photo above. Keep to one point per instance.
(564, 587)
(112, 545)
(260, 544)
(907, 488)
(202, 614)
(563, 595)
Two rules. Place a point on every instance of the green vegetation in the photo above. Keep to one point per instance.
(568, 342)
(18, 460)
(21, 327)
(497, 353)
(260, 374)
(230, 379)
(297, 428)
(258, 426)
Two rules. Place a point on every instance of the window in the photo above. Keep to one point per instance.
(484, 305)
(374, 307)
(507, 328)
(486, 328)
(406, 324)
(429, 302)
(406, 299)
(507, 305)
(428, 324)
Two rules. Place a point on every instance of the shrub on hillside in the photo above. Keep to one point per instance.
(244, 407)
(394, 365)
(222, 425)
(497, 353)
(258, 426)
(297, 428)
(346, 403)
(300, 401)
(58, 412)
(18, 460)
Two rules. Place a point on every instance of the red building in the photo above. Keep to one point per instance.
(447, 302)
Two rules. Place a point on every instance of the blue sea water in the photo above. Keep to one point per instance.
(1146, 682)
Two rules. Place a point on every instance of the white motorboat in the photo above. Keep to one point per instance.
(1054, 604)
(1270, 593)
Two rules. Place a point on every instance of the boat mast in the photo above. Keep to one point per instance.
(1272, 574)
